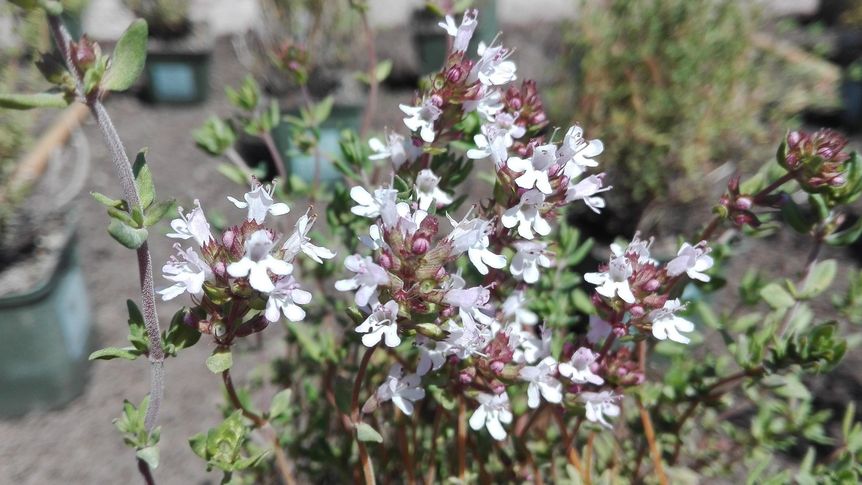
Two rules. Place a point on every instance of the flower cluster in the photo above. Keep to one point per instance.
(634, 291)
(241, 280)
(475, 324)
(816, 158)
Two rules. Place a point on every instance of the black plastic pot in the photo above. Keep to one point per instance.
(178, 70)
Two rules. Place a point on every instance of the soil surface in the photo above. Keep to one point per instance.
(78, 443)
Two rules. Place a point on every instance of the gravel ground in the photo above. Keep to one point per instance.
(78, 444)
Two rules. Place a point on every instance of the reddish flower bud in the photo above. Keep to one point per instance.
(743, 203)
(420, 245)
(228, 237)
(652, 285)
(497, 367)
(385, 260)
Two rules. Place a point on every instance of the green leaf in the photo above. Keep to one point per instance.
(129, 58)
(220, 361)
(156, 212)
(198, 443)
(126, 235)
(776, 296)
(30, 101)
(819, 279)
(251, 461)
(179, 335)
(323, 109)
(150, 455)
(280, 403)
(365, 432)
(107, 201)
(109, 353)
(144, 179)
(847, 236)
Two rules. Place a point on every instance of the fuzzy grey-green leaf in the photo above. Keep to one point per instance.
(220, 361)
(128, 236)
(129, 58)
(35, 100)
(109, 353)
(150, 455)
(365, 432)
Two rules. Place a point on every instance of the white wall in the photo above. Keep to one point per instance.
(106, 19)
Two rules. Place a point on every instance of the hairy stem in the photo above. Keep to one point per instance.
(371, 104)
(276, 156)
(123, 167)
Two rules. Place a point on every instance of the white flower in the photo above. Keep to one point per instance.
(421, 118)
(467, 339)
(368, 277)
(529, 256)
(542, 381)
(402, 390)
(532, 348)
(614, 281)
(511, 130)
(467, 299)
(637, 247)
(492, 411)
(374, 239)
(515, 309)
(578, 367)
(462, 34)
(577, 154)
(526, 215)
(286, 298)
(488, 104)
(692, 260)
(492, 68)
(257, 261)
(432, 355)
(472, 236)
(381, 324)
(191, 225)
(188, 272)
(586, 190)
(491, 142)
(599, 405)
(300, 242)
(382, 204)
(259, 203)
(397, 148)
(535, 168)
(428, 192)
(665, 324)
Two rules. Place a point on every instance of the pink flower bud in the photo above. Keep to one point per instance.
(743, 203)
(219, 268)
(228, 237)
(437, 100)
(497, 367)
(498, 388)
(619, 330)
(385, 260)
(420, 245)
(455, 74)
(793, 139)
(440, 274)
(637, 311)
(465, 377)
(652, 285)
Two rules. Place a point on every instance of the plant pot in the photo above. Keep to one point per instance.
(303, 165)
(45, 335)
(851, 97)
(45, 324)
(431, 41)
(178, 70)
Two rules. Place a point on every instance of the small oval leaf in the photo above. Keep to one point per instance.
(129, 58)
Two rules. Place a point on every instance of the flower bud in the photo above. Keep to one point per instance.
(420, 245)
(228, 237)
(637, 311)
(497, 367)
(652, 285)
(743, 203)
(498, 387)
(466, 376)
(219, 268)
(84, 53)
(437, 100)
(385, 260)
(455, 74)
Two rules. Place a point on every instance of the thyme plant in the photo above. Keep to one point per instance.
(443, 330)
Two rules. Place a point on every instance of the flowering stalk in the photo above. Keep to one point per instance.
(123, 168)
